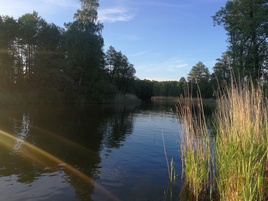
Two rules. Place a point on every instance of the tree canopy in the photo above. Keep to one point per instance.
(246, 23)
(121, 72)
(61, 64)
(69, 63)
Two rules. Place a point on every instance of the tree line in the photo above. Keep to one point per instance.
(69, 64)
(246, 57)
(61, 64)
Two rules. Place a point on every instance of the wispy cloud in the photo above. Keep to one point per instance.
(171, 69)
(141, 53)
(153, 3)
(116, 14)
(62, 3)
(172, 65)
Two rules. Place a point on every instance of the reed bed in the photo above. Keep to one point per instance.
(241, 143)
(233, 164)
(195, 149)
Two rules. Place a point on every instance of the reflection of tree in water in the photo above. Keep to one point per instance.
(117, 127)
(75, 136)
(19, 161)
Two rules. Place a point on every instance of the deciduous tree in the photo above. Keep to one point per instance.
(84, 53)
(246, 23)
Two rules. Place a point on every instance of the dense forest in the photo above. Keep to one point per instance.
(40, 61)
(50, 63)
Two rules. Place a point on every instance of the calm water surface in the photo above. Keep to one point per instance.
(95, 152)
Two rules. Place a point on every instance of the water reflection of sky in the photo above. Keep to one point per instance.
(138, 169)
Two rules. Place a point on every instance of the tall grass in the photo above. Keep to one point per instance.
(241, 143)
(234, 168)
(195, 149)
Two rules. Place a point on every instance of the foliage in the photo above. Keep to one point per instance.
(60, 64)
(222, 71)
(199, 73)
(69, 64)
(166, 88)
(8, 30)
(199, 80)
(246, 23)
(121, 72)
(144, 89)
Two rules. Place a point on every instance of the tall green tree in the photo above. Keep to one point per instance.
(29, 25)
(8, 53)
(50, 61)
(183, 86)
(199, 78)
(49, 58)
(222, 70)
(88, 12)
(122, 73)
(39, 50)
(199, 73)
(246, 23)
(84, 53)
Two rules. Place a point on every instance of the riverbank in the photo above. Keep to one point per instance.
(25, 98)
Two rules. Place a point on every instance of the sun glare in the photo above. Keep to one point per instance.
(42, 157)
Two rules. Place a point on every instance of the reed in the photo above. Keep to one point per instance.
(241, 143)
(232, 165)
(195, 149)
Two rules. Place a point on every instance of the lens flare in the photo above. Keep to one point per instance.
(37, 154)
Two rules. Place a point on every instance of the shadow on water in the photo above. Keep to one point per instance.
(69, 140)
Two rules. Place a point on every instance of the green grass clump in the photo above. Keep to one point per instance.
(235, 166)
(241, 143)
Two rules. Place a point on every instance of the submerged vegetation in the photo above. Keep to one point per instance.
(231, 164)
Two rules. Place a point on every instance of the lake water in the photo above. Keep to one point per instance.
(94, 152)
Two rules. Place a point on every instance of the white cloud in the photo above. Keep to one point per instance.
(116, 14)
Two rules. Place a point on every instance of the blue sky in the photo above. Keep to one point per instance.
(163, 39)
